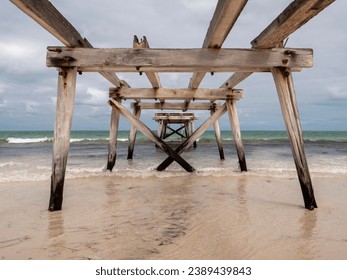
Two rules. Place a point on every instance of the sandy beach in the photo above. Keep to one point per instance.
(241, 216)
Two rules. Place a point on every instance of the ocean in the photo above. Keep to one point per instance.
(26, 155)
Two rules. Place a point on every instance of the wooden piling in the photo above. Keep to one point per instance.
(286, 94)
(112, 146)
(132, 134)
(62, 130)
(235, 127)
(218, 137)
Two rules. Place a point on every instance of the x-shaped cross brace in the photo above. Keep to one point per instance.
(174, 155)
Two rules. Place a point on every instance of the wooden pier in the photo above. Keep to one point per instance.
(267, 54)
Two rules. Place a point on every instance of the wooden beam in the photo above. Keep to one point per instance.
(292, 18)
(224, 18)
(62, 130)
(150, 135)
(174, 106)
(153, 77)
(112, 146)
(178, 60)
(175, 94)
(287, 97)
(235, 127)
(196, 134)
(46, 15)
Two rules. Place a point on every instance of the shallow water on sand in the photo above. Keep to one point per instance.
(184, 217)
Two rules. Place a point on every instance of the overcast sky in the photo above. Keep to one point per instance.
(28, 87)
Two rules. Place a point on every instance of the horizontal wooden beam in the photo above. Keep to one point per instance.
(176, 94)
(292, 18)
(224, 18)
(46, 15)
(178, 60)
(174, 106)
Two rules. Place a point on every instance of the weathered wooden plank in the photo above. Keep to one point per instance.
(175, 94)
(287, 97)
(196, 134)
(112, 146)
(132, 133)
(235, 79)
(62, 129)
(46, 15)
(224, 18)
(150, 135)
(153, 77)
(178, 60)
(293, 17)
(235, 127)
(218, 137)
(174, 106)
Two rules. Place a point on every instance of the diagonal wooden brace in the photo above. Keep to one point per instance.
(175, 131)
(196, 134)
(150, 135)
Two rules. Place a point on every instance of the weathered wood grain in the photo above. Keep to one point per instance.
(287, 98)
(292, 18)
(174, 105)
(46, 15)
(224, 18)
(112, 145)
(236, 131)
(217, 134)
(175, 94)
(132, 133)
(178, 60)
(150, 135)
(196, 134)
(62, 130)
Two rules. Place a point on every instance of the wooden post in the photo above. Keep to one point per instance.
(235, 126)
(62, 129)
(112, 146)
(192, 127)
(150, 135)
(218, 137)
(286, 94)
(197, 133)
(132, 134)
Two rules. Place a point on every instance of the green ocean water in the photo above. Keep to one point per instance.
(23, 137)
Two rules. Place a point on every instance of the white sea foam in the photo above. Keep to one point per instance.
(27, 140)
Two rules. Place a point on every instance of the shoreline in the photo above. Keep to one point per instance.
(179, 217)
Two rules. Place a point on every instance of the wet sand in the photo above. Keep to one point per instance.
(184, 217)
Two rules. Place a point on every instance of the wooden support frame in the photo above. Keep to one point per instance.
(224, 18)
(235, 127)
(196, 134)
(217, 134)
(62, 130)
(178, 60)
(133, 132)
(292, 18)
(175, 105)
(287, 97)
(46, 15)
(112, 146)
(175, 94)
(150, 135)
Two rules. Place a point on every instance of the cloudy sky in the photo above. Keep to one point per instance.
(28, 87)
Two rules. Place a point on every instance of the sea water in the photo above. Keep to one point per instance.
(26, 155)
